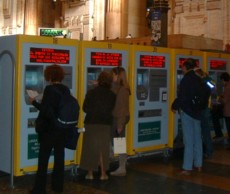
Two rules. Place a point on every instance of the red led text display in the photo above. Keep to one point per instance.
(47, 55)
(182, 60)
(106, 59)
(218, 65)
(152, 61)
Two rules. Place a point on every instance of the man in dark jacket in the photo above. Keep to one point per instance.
(190, 86)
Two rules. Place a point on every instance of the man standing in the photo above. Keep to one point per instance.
(190, 86)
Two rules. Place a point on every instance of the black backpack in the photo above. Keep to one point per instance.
(67, 112)
(201, 96)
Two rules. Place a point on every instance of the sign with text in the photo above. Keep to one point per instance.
(218, 65)
(152, 61)
(106, 59)
(149, 131)
(48, 55)
(33, 146)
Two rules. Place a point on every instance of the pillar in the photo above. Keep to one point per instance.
(113, 19)
(159, 23)
(137, 25)
(30, 19)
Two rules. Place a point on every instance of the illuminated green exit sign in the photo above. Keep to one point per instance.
(53, 32)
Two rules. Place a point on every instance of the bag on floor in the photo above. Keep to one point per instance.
(119, 145)
(72, 138)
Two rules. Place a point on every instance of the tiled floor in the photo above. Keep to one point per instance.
(146, 175)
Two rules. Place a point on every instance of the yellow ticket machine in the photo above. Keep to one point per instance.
(22, 63)
(178, 58)
(149, 128)
(216, 64)
(96, 57)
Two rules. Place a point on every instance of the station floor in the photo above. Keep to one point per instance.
(153, 174)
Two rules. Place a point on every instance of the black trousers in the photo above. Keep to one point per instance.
(216, 116)
(50, 141)
(227, 122)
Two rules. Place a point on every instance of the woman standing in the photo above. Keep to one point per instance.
(98, 105)
(121, 114)
(50, 137)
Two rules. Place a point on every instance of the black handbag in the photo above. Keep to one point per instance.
(40, 125)
(72, 138)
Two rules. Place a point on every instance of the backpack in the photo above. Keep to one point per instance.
(66, 116)
(201, 96)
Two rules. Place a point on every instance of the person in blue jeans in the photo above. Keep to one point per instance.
(190, 118)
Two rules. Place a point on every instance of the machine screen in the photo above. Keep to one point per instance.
(106, 59)
(152, 61)
(47, 55)
(31, 79)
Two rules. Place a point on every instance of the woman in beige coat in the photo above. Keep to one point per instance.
(120, 113)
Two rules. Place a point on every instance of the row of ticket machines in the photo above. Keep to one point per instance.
(153, 72)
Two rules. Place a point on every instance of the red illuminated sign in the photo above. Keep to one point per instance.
(106, 59)
(182, 60)
(47, 55)
(218, 65)
(152, 61)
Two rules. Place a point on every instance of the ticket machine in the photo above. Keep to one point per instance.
(217, 63)
(95, 58)
(149, 128)
(179, 56)
(22, 63)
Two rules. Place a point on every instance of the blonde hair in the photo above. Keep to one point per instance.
(121, 77)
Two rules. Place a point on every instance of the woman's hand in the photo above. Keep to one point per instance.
(31, 100)
(119, 130)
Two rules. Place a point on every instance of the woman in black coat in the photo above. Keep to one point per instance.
(50, 137)
(98, 106)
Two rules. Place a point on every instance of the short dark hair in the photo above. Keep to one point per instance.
(225, 77)
(54, 73)
(190, 63)
(105, 79)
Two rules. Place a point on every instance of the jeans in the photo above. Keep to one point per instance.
(193, 154)
(206, 134)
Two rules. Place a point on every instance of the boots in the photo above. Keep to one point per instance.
(121, 171)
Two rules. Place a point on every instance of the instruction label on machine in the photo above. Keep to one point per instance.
(33, 146)
(149, 131)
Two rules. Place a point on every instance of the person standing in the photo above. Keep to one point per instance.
(225, 100)
(121, 113)
(98, 105)
(50, 137)
(205, 114)
(190, 118)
